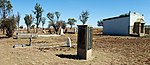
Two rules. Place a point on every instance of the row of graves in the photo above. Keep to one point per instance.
(84, 41)
(48, 30)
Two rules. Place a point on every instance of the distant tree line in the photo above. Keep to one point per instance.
(54, 19)
(10, 22)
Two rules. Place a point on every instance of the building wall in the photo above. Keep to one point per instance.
(118, 26)
(133, 17)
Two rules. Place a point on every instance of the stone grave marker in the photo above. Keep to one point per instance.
(30, 42)
(68, 42)
(24, 45)
(44, 31)
(17, 46)
(61, 31)
(75, 30)
(84, 46)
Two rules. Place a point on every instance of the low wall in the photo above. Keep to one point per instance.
(25, 36)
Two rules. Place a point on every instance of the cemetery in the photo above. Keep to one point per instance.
(121, 40)
(48, 50)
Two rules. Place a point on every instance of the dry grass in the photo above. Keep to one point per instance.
(107, 50)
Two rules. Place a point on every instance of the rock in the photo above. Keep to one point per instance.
(68, 42)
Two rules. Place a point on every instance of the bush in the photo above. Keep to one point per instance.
(10, 25)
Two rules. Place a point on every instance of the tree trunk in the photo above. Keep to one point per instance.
(28, 30)
(3, 30)
(9, 32)
(3, 27)
(50, 31)
(71, 27)
(43, 26)
(57, 30)
(37, 28)
(4, 16)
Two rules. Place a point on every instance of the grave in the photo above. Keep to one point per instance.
(44, 31)
(84, 46)
(25, 36)
(24, 45)
(75, 30)
(51, 35)
(30, 42)
(61, 31)
(68, 42)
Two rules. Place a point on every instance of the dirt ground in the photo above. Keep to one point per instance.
(107, 50)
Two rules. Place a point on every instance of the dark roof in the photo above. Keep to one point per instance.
(121, 16)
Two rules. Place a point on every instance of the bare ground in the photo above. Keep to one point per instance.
(107, 50)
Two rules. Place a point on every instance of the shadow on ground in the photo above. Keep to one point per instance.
(131, 35)
(2, 37)
(69, 56)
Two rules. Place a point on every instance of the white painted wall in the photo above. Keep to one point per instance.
(118, 26)
(134, 17)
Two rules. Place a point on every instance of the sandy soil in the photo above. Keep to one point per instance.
(107, 50)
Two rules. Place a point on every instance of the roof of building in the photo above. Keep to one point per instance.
(121, 16)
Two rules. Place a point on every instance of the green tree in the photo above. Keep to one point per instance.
(10, 25)
(38, 12)
(32, 27)
(5, 7)
(61, 24)
(71, 22)
(84, 17)
(28, 21)
(100, 23)
(21, 26)
(17, 21)
(57, 15)
(5, 10)
(43, 21)
(54, 22)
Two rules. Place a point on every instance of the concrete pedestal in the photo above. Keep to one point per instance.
(84, 54)
(84, 49)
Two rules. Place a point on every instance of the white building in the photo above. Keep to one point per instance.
(125, 24)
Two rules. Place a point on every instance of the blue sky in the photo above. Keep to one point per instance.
(98, 9)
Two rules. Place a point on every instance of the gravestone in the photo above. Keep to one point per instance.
(24, 45)
(75, 30)
(17, 35)
(68, 42)
(44, 31)
(18, 46)
(61, 31)
(27, 36)
(84, 46)
(30, 42)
